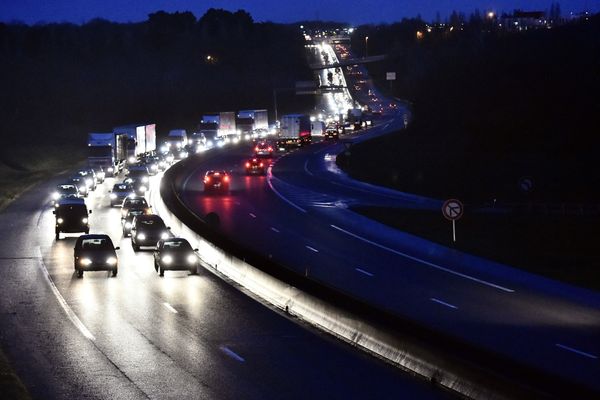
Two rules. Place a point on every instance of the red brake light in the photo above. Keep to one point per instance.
(270, 148)
(206, 179)
(226, 178)
(247, 165)
(261, 164)
(256, 148)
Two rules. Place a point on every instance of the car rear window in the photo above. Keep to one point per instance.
(176, 245)
(96, 244)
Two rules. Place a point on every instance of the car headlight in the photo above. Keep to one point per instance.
(191, 259)
(89, 182)
(110, 169)
(84, 220)
(154, 167)
(131, 160)
(111, 261)
(55, 196)
(178, 145)
(164, 235)
(145, 179)
(113, 196)
(164, 149)
(167, 259)
(141, 236)
(170, 158)
(127, 225)
(143, 189)
(83, 189)
(85, 262)
(60, 220)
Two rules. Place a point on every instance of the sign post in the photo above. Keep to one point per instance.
(390, 76)
(453, 209)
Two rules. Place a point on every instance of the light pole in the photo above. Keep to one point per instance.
(366, 46)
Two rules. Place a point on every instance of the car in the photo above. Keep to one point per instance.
(79, 182)
(175, 254)
(71, 217)
(216, 181)
(139, 185)
(64, 191)
(331, 134)
(134, 202)
(128, 220)
(147, 230)
(89, 178)
(120, 192)
(138, 171)
(100, 174)
(255, 166)
(263, 149)
(95, 252)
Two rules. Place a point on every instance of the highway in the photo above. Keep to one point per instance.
(299, 217)
(141, 336)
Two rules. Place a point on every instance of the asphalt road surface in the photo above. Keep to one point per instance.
(141, 336)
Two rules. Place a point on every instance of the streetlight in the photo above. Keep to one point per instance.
(366, 46)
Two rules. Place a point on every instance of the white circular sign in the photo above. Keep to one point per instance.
(453, 209)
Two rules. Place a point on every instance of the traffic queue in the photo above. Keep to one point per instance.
(96, 251)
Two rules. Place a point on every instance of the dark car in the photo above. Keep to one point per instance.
(134, 202)
(120, 192)
(80, 184)
(175, 254)
(216, 181)
(255, 166)
(128, 220)
(331, 134)
(71, 216)
(263, 149)
(138, 171)
(147, 230)
(95, 253)
(139, 185)
(64, 191)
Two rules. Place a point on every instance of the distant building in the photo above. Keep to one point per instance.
(523, 20)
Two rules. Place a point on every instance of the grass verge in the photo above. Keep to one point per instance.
(556, 246)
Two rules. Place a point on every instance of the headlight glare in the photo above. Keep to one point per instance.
(60, 220)
(141, 236)
(191, 259)
(167, 259)
(85, 262)
(55, 195)
(164, 235)
(111, 261)
(84, 220)
(113, 196)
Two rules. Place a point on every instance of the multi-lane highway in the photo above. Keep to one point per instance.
(299, 217)
(141, 336)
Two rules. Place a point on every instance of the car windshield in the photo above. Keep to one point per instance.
(96, 244)
(66, 189)
(71, 210)
(121, 188)
(151, 224)
(177, 245)
(136, 203)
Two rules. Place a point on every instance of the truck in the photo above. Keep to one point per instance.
(176, 140)
(252, 121)
(294, 131)
(227, 127)
(218, 126)
(107, 150)
(141, 138)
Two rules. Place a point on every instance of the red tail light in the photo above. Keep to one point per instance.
(256, 148)
(247, 165)
(261, 164)
(270, 148)
(207, 179)
(226, 178)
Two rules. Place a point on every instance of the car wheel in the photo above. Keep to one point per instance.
(193, 271)
(135, 247)
(161, 271)
(114, 272)
(155, 266)
(80, 273)
(57, 235)
(87, 231)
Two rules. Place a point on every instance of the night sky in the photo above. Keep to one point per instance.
(352, 11)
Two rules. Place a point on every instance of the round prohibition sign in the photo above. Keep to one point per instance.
(453, 209)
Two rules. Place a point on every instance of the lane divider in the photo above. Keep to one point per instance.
(425, 262)
(572, 350)
(444, 303)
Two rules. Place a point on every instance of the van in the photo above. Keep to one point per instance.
(71, 216)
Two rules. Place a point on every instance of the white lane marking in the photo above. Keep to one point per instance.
(581, 353)
(170, 308)
(282, 197)
(436, 266)
(63, 303)
(231, 353)
(306, 168)
(443, 303)
(312, 249)
(252, 215)
(275, 229)
(362, 271)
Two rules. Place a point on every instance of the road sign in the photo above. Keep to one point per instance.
(390, 76)
(526, 184)
(453, 209)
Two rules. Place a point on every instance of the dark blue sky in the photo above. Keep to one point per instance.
(352, 11)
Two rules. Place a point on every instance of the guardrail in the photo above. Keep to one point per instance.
(442, 360)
